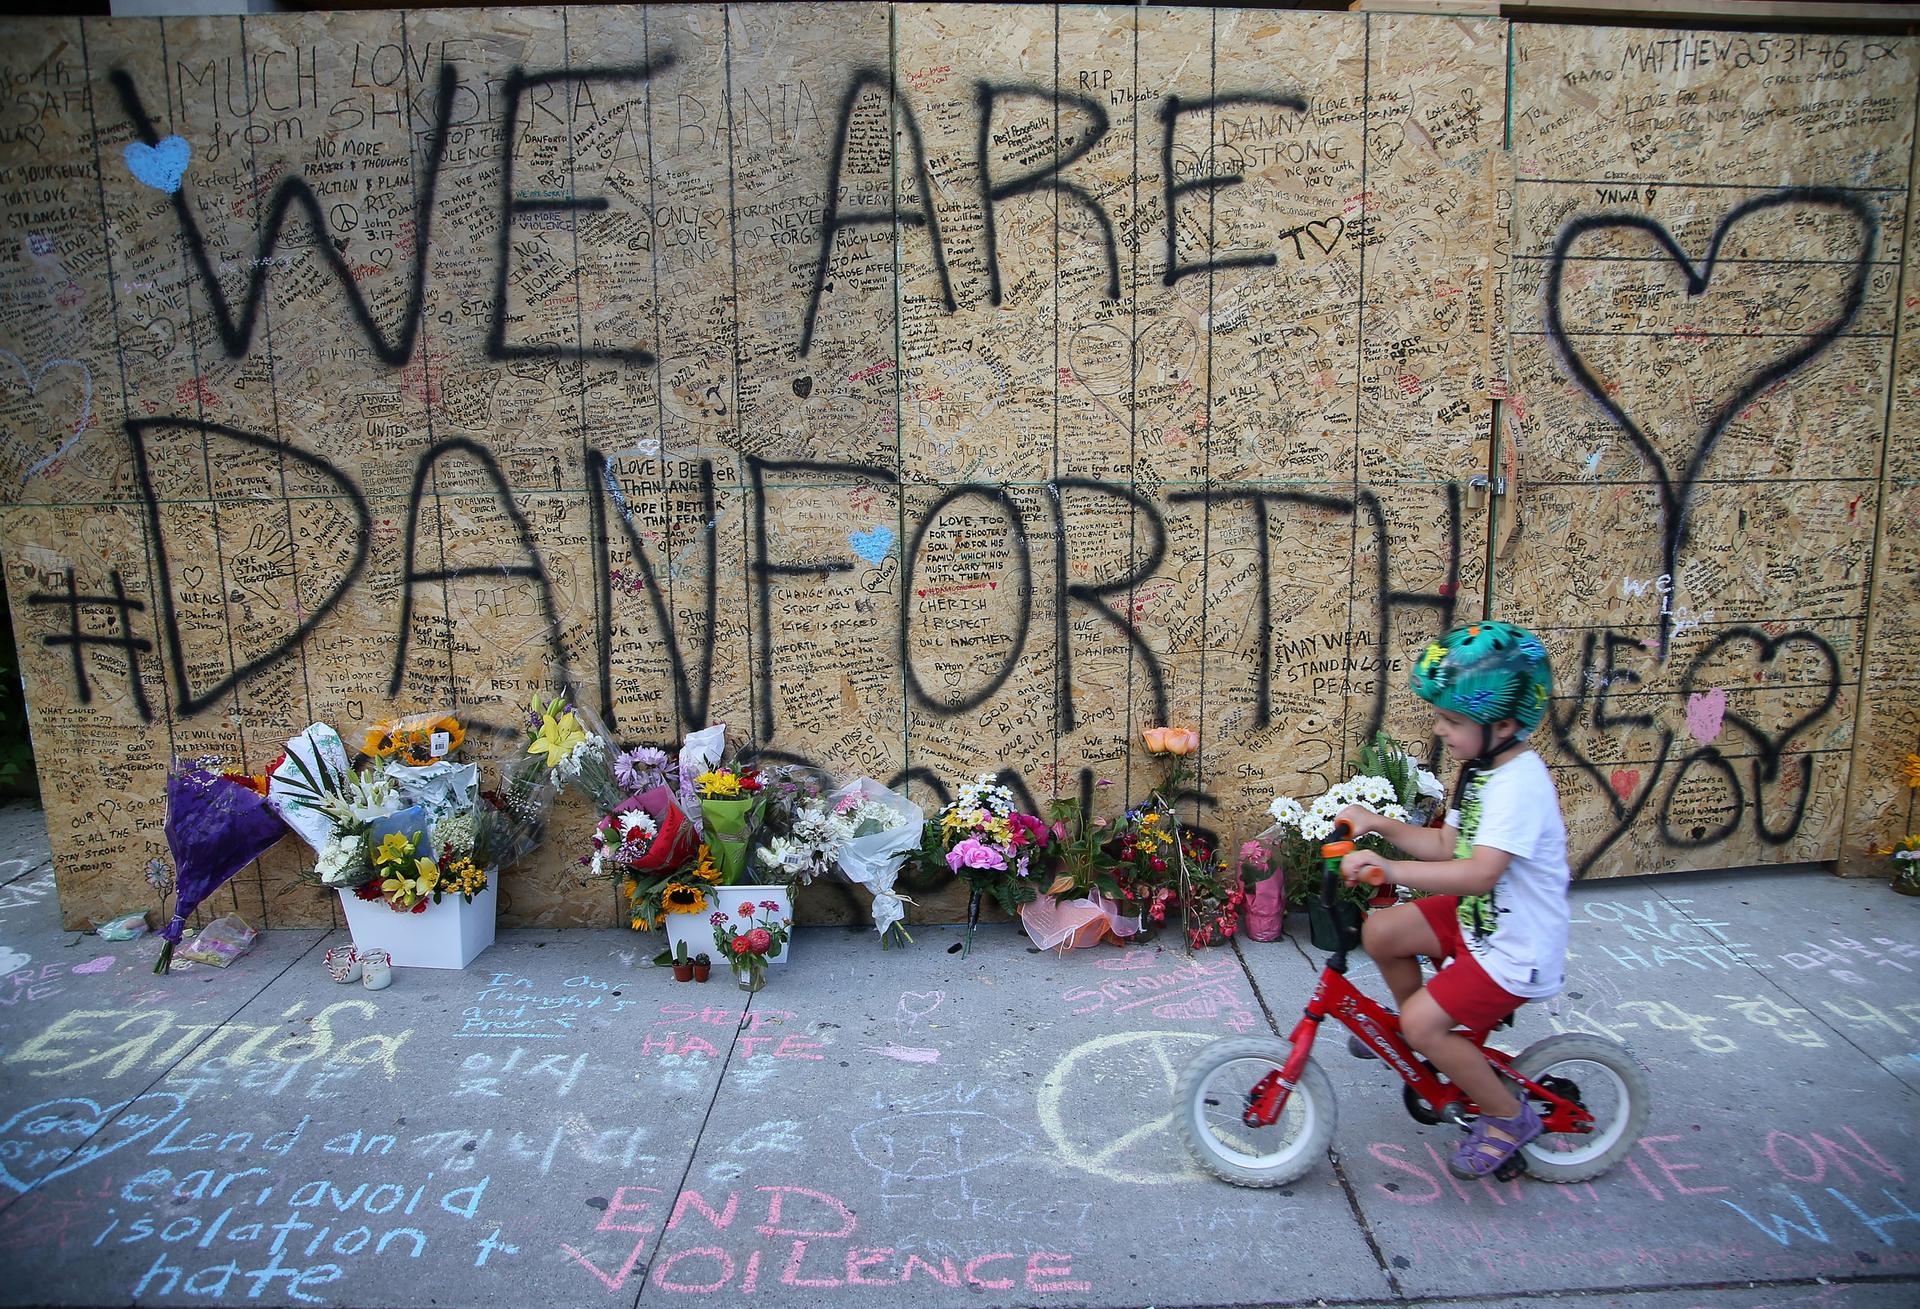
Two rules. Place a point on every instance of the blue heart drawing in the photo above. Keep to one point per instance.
(873, 544)
(159, 166)
(58, 1136)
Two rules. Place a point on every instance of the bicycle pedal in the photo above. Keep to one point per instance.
(1509, 1170)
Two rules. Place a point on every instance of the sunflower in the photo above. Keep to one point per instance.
(681, 898)
(415, 746)
(380, 741)
(1911, 766)
(707, 870)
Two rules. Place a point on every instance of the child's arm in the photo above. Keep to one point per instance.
(1474, 875)
(1435, 843)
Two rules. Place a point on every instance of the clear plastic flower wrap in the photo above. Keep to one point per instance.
(887, 828)
(510, 817)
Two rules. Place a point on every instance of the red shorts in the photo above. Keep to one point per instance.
(1463, 988)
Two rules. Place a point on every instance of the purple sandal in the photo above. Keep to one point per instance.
(1482, 1153)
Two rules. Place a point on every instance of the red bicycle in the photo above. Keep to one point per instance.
(1259, 1112)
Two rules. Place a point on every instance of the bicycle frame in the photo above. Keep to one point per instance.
(1379, 1029)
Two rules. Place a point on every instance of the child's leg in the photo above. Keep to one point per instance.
(1429, 1029)
(1395, 939)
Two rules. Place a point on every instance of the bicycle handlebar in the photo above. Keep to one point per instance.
(1333, 851)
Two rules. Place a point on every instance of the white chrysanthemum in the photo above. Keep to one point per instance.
(1375, 790)
(1287, 811)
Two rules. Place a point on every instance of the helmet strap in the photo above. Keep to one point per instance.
(1480, 763)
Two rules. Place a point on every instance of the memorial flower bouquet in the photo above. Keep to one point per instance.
(415, 753)
(983, 838)
(414, 739)
(883, 829)
(671, 872)
(575, 751)
(332, 807)
(647, 841)
(747, 935)
(798, 829)
(217, 823)
(727, 793)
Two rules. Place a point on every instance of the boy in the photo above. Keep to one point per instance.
(1498, 870)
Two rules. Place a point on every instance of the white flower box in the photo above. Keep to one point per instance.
(697, 931)
(445, 935)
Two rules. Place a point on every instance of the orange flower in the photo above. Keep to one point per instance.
(1171, 740)
(253, 782)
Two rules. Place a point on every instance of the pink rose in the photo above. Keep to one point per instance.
(759, 940)
(970, 853)
(1156, 739)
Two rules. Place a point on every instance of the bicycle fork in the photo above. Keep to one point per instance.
(1268, 1098)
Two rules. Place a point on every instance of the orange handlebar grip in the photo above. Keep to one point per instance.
(1375, 876)
(1336, 849)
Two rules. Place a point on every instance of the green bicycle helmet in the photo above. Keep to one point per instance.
(1485, 672)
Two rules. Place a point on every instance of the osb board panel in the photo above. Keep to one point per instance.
(1704, 306)
(1880, 803)
(936, 389)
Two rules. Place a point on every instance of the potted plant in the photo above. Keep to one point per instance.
(701, 966)
(748, 934)
(682, 965)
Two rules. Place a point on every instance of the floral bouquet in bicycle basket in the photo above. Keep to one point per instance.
(1386, 780)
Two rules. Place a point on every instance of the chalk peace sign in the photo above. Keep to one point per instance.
(1100, 1086)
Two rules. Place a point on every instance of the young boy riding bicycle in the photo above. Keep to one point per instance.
(1498, 917)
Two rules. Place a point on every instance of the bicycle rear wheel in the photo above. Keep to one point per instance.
(1212, 1094)
(1603, 1076)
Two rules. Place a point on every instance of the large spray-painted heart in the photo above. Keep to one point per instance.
(1676, 492)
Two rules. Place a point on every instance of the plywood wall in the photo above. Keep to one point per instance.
(936, 389)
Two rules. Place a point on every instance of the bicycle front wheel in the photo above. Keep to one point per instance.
(1212, 1094)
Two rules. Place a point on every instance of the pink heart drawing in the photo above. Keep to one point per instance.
(1706, 712)
(53, 1137)
(1625, 780)
(103, 964)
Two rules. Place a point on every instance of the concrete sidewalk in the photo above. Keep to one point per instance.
(562, 1124)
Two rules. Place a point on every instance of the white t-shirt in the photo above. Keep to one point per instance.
(1517, 931)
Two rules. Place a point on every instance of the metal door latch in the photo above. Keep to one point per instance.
(1477, 489)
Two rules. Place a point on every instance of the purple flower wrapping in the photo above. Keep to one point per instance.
(214, 829)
